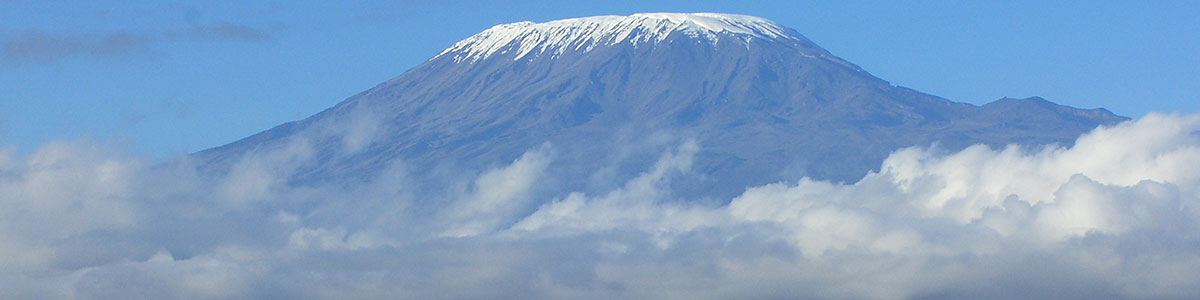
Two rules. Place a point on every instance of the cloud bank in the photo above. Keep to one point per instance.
(1114, 216)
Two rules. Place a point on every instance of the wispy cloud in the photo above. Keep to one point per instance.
(42, 47)
(221, 31)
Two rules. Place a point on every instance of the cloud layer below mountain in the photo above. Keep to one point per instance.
(1114, 216)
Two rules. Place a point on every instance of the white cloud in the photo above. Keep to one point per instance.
(497, 195)
(1114, 216)
(638, 204)
(259, 175)
(60, 190)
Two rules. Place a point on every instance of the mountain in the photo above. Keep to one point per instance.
(608, 94)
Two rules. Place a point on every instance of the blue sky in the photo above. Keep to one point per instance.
(166, 78)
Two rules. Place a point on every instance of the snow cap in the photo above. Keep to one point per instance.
(584, 34)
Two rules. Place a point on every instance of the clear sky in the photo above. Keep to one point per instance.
(166, 78)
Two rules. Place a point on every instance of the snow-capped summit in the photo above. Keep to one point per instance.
(608, 94)
(584, 34)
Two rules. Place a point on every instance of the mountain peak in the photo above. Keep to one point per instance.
(584, 34)
(762, 102)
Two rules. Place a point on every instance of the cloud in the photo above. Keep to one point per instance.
(497, 195)
(1114, 216)
(43, 47)
(221, 31)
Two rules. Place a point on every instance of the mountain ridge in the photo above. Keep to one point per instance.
(762, 110)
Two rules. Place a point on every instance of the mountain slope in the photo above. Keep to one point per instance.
(762, 102)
